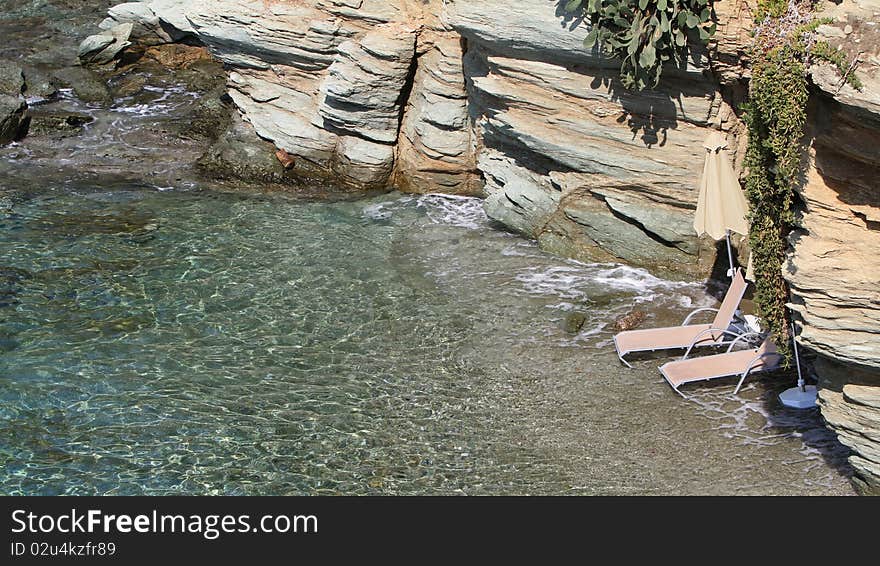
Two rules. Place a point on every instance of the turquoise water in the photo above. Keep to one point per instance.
(163, 334)
(164, 342)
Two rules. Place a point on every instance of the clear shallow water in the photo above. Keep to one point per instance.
(196, 342)
(161, 336)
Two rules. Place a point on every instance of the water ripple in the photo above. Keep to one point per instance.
(174, 342)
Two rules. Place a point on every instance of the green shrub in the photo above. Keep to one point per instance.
(784, 48)
(770, 9)
(775, 117)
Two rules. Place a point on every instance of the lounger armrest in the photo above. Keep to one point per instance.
(691, 315)
(749, 367)
(744, 336)
(706, 331)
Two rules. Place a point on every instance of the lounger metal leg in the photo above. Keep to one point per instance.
(619, 355)
(674, 388)
(751, 367)
(741, 380)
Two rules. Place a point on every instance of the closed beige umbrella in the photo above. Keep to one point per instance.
(722, 206)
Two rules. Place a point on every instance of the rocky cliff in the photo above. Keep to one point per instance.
(499, 99)
(366, 92)
(469, 98)
(834, 267)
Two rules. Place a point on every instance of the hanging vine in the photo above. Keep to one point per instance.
(784, 48)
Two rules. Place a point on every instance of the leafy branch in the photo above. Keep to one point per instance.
(645, 35)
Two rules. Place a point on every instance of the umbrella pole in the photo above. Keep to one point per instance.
(729, 255)
(797, 360)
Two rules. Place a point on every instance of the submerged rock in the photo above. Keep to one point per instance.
(630, 320)
(86, 84)
(11, 284)
(57, 123)
(574, 322)
(73, 224)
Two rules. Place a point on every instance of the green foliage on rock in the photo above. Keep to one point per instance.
(823, 52)
(775, 117)
(645, 34)
(770, 9)
(784, 48)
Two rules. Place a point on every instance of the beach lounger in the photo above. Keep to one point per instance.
(731, 363)
(716, 333)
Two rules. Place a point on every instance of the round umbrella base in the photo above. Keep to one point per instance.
(797, 399)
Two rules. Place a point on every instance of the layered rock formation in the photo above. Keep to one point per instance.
(360, 91)
(500, 99)
(833, 268)
(466, 97)
(570, 158)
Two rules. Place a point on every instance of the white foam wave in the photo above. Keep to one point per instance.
(566, 282)
(575, 280)
(628, 278)
(449, 210)
(37, 100)
(519, 249)
(452, 210)
(161, 105)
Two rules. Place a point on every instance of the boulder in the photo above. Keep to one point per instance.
(57, 122)
(13, 118)
(103, 48)
(147, 27)
(13, 108)
(40, 86)
(12, 81)
(239, 153)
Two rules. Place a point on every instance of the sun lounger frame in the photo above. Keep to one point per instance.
(753, 363)
(716, 334)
